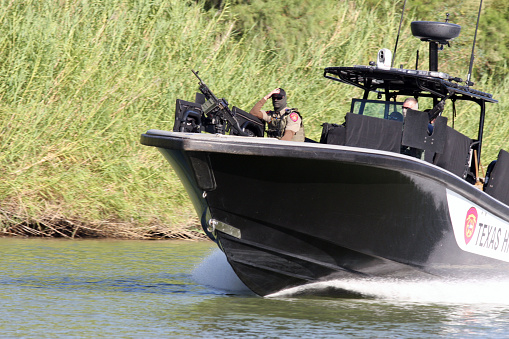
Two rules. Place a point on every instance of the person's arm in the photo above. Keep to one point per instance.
(288, 136)
(293, 125)
(257, 108)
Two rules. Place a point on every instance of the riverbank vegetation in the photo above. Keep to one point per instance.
(81, 80)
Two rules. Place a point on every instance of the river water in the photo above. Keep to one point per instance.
(171, 289)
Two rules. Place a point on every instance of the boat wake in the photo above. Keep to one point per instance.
(439, 291)
(215, 271)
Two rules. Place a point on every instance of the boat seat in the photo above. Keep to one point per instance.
(396, 116)
(497, 184)
(374, 133)
(250, 124)
(456, 153)
(416, 133)
(333, 134)
(187, 117)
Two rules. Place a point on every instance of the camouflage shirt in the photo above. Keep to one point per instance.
(286, 119)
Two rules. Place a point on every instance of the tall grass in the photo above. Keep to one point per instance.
(81, 80)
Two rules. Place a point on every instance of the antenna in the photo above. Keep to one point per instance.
(397, 38)
(473, 47)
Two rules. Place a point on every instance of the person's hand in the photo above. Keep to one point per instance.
(275, 91)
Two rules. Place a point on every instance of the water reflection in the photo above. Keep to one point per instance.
(410, 307)
(180, 289)
(326, 317)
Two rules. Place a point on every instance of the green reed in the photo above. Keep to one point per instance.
(81, 80)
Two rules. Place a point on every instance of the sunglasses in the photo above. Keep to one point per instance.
(277, 96)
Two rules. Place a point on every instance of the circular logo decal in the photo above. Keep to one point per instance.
(294, 116)
(470, 224)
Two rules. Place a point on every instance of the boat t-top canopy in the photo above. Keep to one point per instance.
(398, 81)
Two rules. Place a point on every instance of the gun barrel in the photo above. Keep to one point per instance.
(196, 74)
(218, 107)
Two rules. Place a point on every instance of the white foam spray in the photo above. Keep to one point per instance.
(474, 291)
(216, 272)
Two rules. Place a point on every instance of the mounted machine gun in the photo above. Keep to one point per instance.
(212, 115)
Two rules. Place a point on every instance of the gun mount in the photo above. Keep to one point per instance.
(212, 115)
(218, 116)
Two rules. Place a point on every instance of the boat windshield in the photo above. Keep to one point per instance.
(389, 110)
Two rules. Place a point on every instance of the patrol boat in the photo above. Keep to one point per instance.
(377, 196)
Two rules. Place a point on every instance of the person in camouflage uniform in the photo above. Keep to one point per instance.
(283, 123)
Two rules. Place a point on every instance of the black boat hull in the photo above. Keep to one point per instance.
(286, 214)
